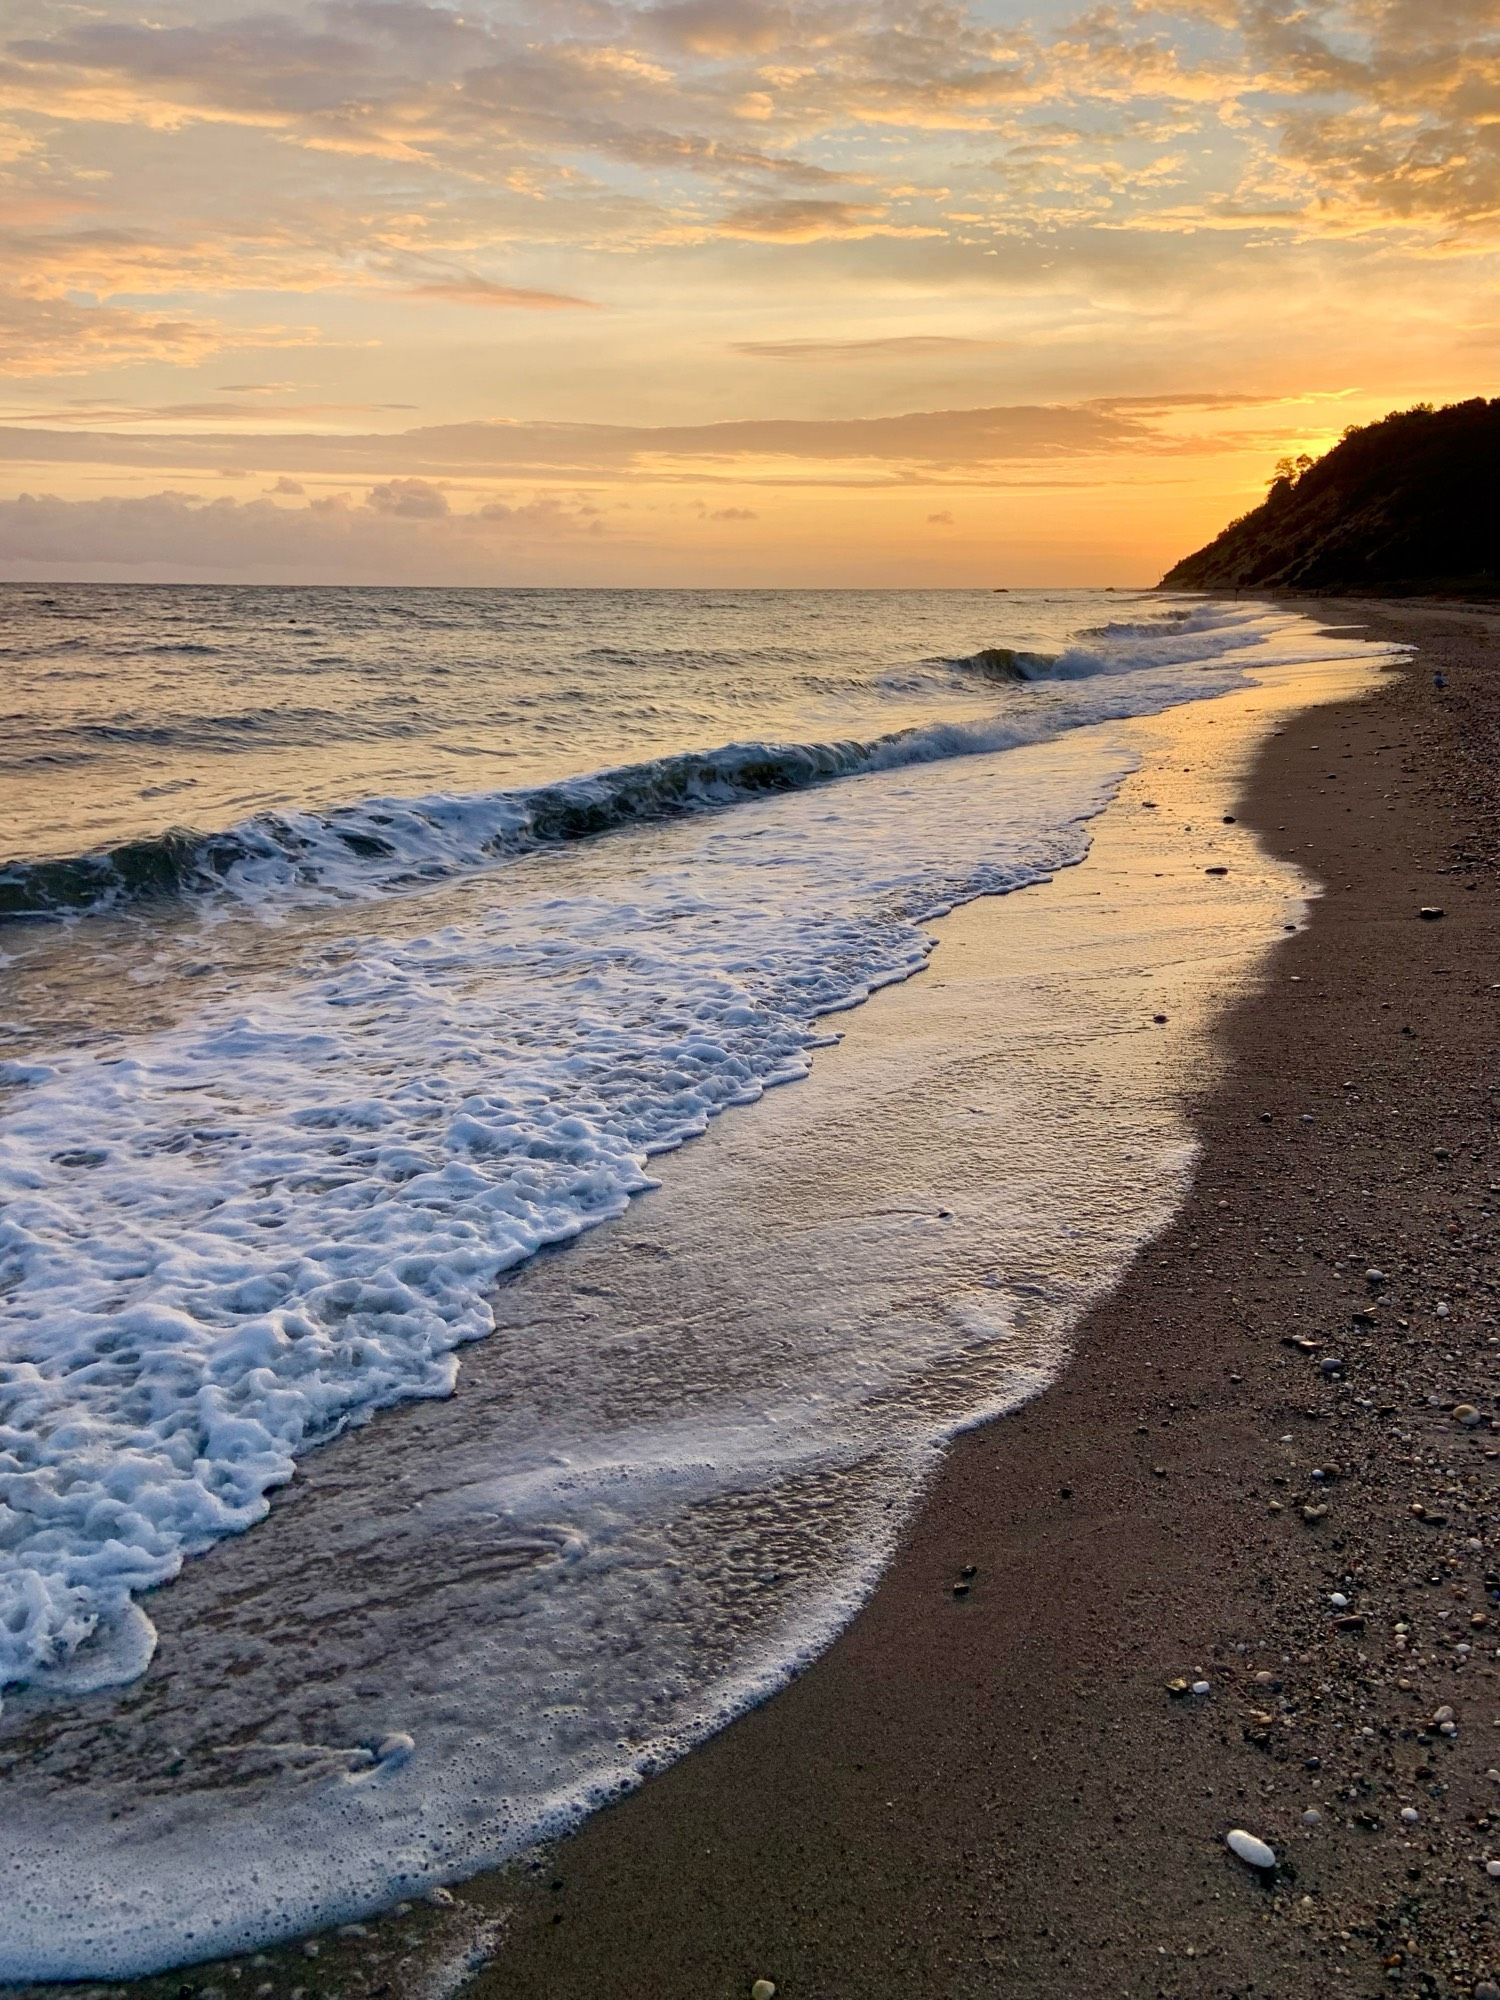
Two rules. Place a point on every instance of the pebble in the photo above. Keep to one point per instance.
(1312, 1817)
(1339, 1601)
(1465, 1413)
(1201, 1687)
(1430, 912)
(1255, 1853)
(1410, 1815)
(763, 1989)
(1492, 1869)
(1487, 1990)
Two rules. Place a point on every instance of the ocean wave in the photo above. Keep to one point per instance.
(381, 844)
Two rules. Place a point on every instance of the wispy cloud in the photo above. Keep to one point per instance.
(470, 291)
(880, 347)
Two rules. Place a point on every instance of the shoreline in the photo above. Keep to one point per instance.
(1005, 1796)
(937, 1798)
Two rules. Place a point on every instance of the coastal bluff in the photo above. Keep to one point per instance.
(1410, 504)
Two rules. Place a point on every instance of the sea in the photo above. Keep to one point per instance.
(358, 948)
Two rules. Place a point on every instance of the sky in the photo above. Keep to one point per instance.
(718, 292)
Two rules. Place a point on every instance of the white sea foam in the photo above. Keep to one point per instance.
(227, 1240)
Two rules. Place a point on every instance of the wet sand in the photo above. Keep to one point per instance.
(999, 1792)
(1002, 1793)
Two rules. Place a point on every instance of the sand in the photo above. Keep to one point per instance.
(1001, 1792)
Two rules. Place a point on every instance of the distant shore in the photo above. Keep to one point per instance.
(1003, 1792)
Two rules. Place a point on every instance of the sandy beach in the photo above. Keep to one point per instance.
(1249, 1474)
(1003, 1793)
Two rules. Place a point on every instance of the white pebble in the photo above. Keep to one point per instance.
(1201, 1687)
(1339, 1601)
(1410, 1815)
(763, 1989)
(1254, 1853)
(1312, 1817)
(1492, 1869)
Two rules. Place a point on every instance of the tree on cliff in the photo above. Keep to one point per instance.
(1409, 503)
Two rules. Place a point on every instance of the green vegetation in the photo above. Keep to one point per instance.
(1411, 503)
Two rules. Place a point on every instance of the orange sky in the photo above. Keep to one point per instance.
(718, 291)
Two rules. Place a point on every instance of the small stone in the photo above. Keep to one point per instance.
(1254, 1852)
(1312, 1817)
(1332, 1365)
(1314, 1513)
(1487, 1990)
(763, 1989)
(1429, 912)
(1465, 1413)
(1409, 1815)
(1492, 1869)
(1201, 1687)
(1217, 869)
(1339, 1601)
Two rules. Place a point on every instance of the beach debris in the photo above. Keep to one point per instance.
(1249, 1849)
(763, 1989)
(1430, 913)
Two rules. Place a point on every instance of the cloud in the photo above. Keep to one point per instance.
(720, 27)
(176, 534)
(884, 347)
(905, 445)
(412, 499)
(53, 336)
(811, 220)
(94, 413)
(732, 514)
(471, 291)
(942, 520)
